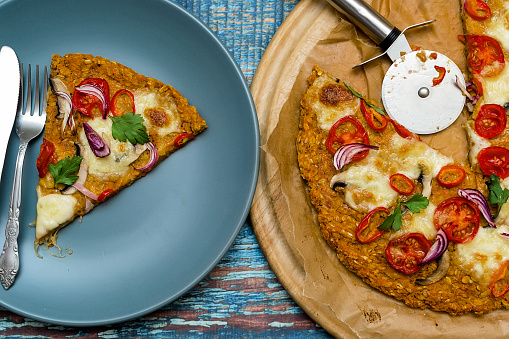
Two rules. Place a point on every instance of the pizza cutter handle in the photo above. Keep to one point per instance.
(378, 28)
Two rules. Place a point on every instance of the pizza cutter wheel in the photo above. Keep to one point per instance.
(410, 98)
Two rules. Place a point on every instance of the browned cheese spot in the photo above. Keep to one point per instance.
(333, 94)
(158, 117)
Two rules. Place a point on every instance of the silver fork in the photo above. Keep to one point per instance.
(28, 126)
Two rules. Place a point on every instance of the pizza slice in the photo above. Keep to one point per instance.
(395, 210)
(107, 126)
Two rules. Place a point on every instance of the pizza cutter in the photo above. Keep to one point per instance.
(421, 89)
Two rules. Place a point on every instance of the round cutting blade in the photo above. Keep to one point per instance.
(412, 99)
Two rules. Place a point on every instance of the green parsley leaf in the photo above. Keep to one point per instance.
(414, 204)
(497, 195)
(62, 171)
(129, 127)
(393, 220)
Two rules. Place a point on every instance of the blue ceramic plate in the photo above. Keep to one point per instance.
(158, 238)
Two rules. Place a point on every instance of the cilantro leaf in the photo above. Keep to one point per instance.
(414, 204)
(62, 171)
(129, 127)
(497, 195)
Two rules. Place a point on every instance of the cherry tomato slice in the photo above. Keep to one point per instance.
(490, 121)
(477, 9)
(441, 75)
(459, 218)
(118, 106)
(45, 157)
(451, 176)
(406, 252)
(494, 160)
(375, 120)
(401, 184)
(347, 130)
(84, 102)
(106, 193)
(485, 55)
(367, 230)
(499, 278)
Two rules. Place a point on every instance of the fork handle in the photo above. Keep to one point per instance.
(9, 259)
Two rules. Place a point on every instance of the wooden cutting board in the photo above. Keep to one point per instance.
(336, 299)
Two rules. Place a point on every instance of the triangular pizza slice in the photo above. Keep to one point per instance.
(107, 126)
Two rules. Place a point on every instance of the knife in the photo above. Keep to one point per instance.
(408, 93)
(9, 94)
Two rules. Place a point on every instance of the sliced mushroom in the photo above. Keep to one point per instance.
(63, 101)
(426, 177)
(338, 180)
(439, 273)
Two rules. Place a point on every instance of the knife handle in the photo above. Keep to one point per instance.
(378, 28)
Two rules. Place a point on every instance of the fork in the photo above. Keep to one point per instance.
(28, 125)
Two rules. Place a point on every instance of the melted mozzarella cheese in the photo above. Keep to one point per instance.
(53, 210)
(367, 181)
(476, 142)
(483, 255)
(146, 101)
(422, 222)
(496, 89)
(328, 115)
(121, 156)
(367, 186)
(498, 27)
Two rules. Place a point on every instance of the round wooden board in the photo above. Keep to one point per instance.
(280, 229)
(272, 83)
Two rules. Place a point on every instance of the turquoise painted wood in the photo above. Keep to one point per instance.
(241, 297)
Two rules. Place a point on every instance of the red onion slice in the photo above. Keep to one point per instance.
(85, 191)
(88, 205)
(98, 93)
(438, 248)
(345, 153)
(153, 156)
(97, 144)
(504, 235)
(463, 89)
(479, 200)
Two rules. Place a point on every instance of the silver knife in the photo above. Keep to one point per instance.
(9, 94)
(408, 91)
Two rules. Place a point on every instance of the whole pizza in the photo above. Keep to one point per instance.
(410, 221)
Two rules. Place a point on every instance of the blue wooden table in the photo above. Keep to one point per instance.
(241, 297)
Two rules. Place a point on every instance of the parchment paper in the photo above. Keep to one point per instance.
(336, 46)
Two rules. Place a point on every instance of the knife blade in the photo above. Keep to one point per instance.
(9, 95)
(408, 93)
